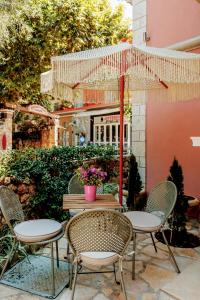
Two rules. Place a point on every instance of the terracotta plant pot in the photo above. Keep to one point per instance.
(90, 192)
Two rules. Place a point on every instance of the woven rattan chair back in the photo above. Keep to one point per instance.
(162, 198)
(99, 230)
(74, 186)
(10, 206)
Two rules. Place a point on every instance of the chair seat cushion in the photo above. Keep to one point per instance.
(144, 221)
(37, 230)
(160, 214)
(98, 258)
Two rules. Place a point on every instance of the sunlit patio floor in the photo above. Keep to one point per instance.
(153, 273)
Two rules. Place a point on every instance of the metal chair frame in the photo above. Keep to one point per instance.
(13, 214)
(74, 186)
(161, 198)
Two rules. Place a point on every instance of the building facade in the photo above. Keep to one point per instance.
(96, 120)
(170, 127)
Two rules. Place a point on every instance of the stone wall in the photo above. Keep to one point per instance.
(24, 191)
(139, 98)
(138, 133)
(139, 21)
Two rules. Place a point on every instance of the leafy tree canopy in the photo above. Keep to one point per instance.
(31, 31)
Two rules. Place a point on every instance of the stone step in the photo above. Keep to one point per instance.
(185, 286)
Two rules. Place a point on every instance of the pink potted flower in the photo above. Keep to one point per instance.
(90, 177)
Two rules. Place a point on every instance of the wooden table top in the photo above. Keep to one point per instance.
(77, 201)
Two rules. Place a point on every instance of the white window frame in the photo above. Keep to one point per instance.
(116, 142)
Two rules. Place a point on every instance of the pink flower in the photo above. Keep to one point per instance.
(90, 175)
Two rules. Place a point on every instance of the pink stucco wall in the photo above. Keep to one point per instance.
(172, 21)
(169, 128)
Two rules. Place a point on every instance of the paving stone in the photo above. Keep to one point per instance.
(135, 287)
(163, 247)
(100, 297)
(84, 293)
(7, 291)
(197, 249)
(146, 241)
(107, 292)
(127, 265)
(149, 296)
(188, 280)
(188, 252)
(156, 276)
(22, 296)
(183, 262)
(119, 296)
(143, 257)
(149, 250)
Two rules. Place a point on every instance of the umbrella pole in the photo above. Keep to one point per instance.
(121, 149)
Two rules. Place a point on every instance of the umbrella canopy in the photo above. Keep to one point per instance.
(144, 68)
(174, 74)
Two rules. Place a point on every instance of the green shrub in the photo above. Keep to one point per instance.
(50, 170)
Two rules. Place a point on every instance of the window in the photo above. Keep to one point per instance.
(107, 132)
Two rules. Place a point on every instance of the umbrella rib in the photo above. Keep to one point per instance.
(89, 73)
(149, 70)
(156, 76)
(102, 62)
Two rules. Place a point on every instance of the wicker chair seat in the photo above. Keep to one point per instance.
(37, 230)
(98, 259)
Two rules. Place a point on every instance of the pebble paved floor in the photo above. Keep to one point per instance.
(153, 271)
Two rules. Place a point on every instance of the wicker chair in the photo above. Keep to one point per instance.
(98, 238)
(160, 205)
(40, 231)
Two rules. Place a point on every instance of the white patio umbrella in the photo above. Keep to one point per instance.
(174, 75)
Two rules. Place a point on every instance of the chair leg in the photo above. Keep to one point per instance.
(153, 242)
(52, 271)
(12, 251)
(133, 258)
(117, 282)
(71, 270)
(74, 281)
(57, 256)
(22, 250)
(122, 280)
(67, 251)
(170, 253)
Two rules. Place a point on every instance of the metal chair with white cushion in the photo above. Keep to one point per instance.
(40, 231)
(160, 205)
(98, 238)
(74, 186)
